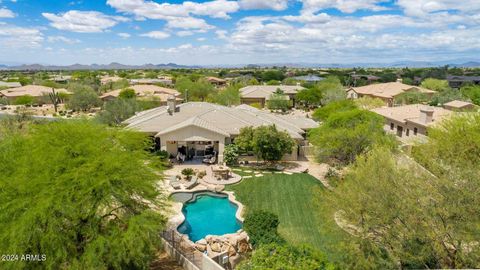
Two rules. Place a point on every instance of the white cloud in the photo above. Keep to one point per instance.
(63, 39)
(184, 33)
(123, 35)
(346, 6)
(188, 23)
(262, 4)
(156, 35)
(83, 21)
(154, 10)
(6, 13)
(221, 34)
(425, 7)
(201, 39)
(19, 37)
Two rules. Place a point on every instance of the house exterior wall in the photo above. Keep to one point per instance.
(250, 101)
(406, 129)
(191, 131)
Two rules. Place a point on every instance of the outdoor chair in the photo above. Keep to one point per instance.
(210, 160)
(192, 183)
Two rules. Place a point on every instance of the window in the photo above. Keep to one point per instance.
(392, 126)
(408, 132)
(415, 130)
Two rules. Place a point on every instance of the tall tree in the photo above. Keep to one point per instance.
(81, 195)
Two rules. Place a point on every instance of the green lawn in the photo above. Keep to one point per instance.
(291, 197)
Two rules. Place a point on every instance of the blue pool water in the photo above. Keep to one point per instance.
(209, 215)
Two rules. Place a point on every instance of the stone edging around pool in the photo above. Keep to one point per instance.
(176, 220)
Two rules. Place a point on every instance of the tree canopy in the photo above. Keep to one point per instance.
(347, 134)
(286, 257)
(405, 216)
(267, 142)
(435, 84)
(83, 98)
(79, 193)
(322, 113)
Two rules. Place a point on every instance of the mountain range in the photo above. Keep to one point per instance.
(114, 65)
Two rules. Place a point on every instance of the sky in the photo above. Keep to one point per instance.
(232, 32)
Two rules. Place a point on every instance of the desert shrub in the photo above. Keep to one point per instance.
(261, 227)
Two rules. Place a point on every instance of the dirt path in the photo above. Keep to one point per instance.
(318, 171)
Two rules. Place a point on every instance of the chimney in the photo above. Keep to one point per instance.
(426, 115)
(172, 107)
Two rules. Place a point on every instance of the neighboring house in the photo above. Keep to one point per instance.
(309, 78)
(458, 81)
(369, 78)
(9, 84)
(61, 78)
(411, 120)
(385, 91)
(261, 93)
(459, 106)
(216, 81)
(144, 91)
(37, 91)
(163, 80)
(110, 79)
(198, 128)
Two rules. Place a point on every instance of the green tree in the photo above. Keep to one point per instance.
(286, 257)
(412, 97)
(445, 96)
(275, 75)
(472, 92)
(322, 113)
(310, 97)
(24, 100)
(194, 90)
(331, 89)
(244, 140)
(116, 111)
(278, 102)
(435, 84)
(345, 135)
(228, 96)
(127, 93)
(83, 98)
(81, 194)
(270, 144)
(230, 154)
(262, 227)
(368, 103)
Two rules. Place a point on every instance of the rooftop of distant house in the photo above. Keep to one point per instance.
(411, 113)
(265, 91)
(32, 90)
(388, 90)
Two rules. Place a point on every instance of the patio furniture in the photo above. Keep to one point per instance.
(192, 183)
(174, 182)
(210, 161)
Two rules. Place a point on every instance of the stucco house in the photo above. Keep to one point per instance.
(198, 128)
(385, 91)
(260, 94)
(39, 92)
(412, 120)
(458, 105)
(9, 84)
(144, 91)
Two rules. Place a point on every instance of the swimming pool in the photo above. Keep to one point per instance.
(208, 213)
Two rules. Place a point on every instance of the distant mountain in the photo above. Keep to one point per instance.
(113, 65)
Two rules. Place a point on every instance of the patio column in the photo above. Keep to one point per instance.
(221, 148)
(163, 144)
